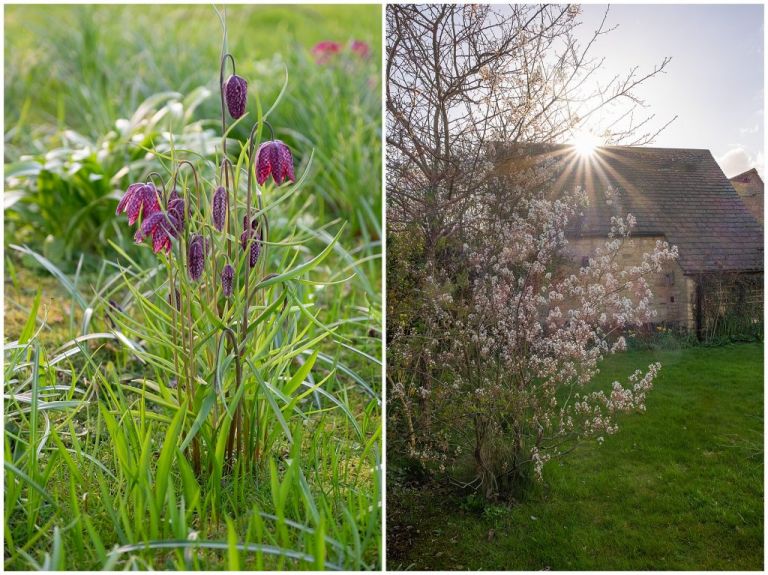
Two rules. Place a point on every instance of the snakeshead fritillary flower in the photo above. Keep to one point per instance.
(139, 198)
(274, 158)
(235, 94)
(176, 209)
(360, 48)
(219, 207)
(255, 244)
(255, 250)
(196, 257)
(324, 51)
(162, 226)
(227, 274)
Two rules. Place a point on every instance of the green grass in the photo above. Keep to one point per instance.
(75, 71)
(93, 475)
(98, 63)
(678, 488)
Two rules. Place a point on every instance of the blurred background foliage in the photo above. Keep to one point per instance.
(87, 95)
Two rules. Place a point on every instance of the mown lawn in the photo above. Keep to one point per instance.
(678, 488)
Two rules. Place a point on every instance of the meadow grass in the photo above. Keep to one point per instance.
(82, 67)
(680, 487)
(96, 470)
(96, 476)
(89, 89)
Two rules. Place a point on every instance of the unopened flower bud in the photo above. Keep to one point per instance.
(227, 275)
(255, 250)
(235, 95)
(174, 298)
(196, 258)
(219, 207)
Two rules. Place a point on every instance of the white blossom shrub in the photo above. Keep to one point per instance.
(497, 367)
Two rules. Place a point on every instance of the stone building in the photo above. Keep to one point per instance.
(683, 197)
(749, 186)
(677, 195)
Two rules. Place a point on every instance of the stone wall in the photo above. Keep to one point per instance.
(674, 293)
(750, 187)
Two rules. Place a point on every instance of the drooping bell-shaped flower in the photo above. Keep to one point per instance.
(235, 95)
(176, 209)
(274, 158)
(227, 275)
(360, 48)
(162, 226)
(255, 250)
(219, 207)
(325, 50)
(196, 257)
(138, 198)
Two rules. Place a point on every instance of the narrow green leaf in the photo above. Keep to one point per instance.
(300, 375)
(166, 455)
(29, 326)
(205, 409)
(233, 554)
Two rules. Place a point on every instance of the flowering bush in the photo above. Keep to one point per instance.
(501, 360)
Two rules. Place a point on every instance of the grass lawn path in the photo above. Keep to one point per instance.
(679, 487)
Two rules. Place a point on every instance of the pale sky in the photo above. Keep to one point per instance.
(714, 83)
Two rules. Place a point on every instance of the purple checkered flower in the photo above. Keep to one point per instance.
(255, 244)
(139, 198)
(176, 209)
(227, 275)
(219, 207)
(163, 226)
(274, 158)
(235, 94)
(196, 257)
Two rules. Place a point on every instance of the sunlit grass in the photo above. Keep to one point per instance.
(94, 477)
(680, 487)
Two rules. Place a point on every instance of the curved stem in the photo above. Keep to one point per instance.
(152, 175)
(251, 142)
(271, 131)
(222, 66)
(227, 170)
(253, 131)
(197, 187)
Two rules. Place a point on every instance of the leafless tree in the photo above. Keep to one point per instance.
(460, 77)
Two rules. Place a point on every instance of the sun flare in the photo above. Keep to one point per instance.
(585, 143)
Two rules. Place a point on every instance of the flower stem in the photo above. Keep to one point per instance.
(222, 66)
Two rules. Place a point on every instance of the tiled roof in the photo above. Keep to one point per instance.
(748, 176)
(680, 193)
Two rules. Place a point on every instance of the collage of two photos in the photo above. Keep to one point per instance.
(365, 287)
